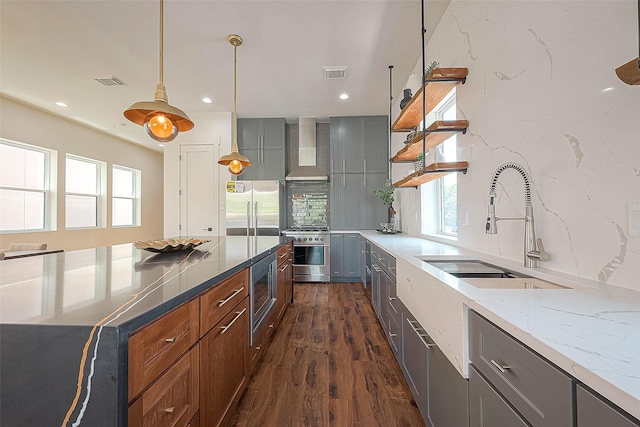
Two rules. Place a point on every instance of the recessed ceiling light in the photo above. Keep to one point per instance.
(607, 89)
(61, 104)
(344, 96)
(160, 145)
(207, 100)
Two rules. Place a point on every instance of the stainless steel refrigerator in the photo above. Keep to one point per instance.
(255, 208)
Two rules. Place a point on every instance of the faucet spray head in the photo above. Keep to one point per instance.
(492, 226)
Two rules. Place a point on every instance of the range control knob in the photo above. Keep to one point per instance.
(316, 239)
(322, 239)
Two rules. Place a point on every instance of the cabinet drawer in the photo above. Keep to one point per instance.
(487, 407)
(156, 346)
(542, 393)
(219, 301)
(395, 336)
(173, 399)
(394, 306)
(595, 412)
(284, 253)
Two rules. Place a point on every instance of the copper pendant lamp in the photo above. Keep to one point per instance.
(161, 121)
(236, 161)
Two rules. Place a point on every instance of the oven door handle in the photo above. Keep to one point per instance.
(248, 218)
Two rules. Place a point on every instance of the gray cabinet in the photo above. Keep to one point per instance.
(487, 407)
(345, 257)
(359, 164)
(438, 388)
(541, 393)
(594, 411)
(263, 142)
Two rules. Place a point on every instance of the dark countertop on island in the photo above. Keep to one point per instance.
(65, 319)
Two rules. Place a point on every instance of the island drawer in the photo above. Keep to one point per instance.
(541, 392)
(173, 399)
(218, 302)
(156, 346)
(284, 253)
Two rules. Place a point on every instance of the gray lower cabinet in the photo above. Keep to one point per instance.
(345, 257)
(594, 411)
(541, 393)
(487, 407)
(438, 388)
(263, 142)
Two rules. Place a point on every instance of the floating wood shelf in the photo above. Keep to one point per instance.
(438, 85)
(437, 133)
(433, 171)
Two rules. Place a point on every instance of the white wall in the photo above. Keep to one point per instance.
(211, 128)
(536, 95)
(21, 123)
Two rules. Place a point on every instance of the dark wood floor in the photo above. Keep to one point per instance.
(329, 364)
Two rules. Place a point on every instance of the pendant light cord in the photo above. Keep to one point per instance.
(638, 33)
(161, 39)
(234, 148)
(423, 30)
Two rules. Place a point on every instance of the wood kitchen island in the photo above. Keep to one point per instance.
(69, 324)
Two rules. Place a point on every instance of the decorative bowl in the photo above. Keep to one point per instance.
(169, 245)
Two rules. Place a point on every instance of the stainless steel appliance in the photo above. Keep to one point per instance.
(311, 258)
(263, 290)
(254, 208)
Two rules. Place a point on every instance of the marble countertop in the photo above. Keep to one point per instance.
(591, 330)
(120, 283)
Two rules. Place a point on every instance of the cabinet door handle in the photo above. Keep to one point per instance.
(391, 299)
(284, 267)
(500, 367)
(238, 314)
(170, 340)
(283, 255)
(393, 335)
(230, 297)
(170, 409)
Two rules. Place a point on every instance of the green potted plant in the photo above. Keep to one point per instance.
(386, 197)
(419, 162)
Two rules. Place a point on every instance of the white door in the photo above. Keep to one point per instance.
(198, 213)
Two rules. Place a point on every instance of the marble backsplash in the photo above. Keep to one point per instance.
(542, 92)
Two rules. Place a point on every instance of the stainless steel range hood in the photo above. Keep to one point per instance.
(307, 169)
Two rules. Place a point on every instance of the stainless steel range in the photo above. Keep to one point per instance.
(311, 260)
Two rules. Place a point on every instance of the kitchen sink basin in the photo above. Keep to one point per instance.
(483, 275)
(514, 283)
(473, 269)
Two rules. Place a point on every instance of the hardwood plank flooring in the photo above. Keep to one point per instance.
(329, 364)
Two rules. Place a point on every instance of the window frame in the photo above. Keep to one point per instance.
(432, 222)
(136, 197)
(48, 190)
(100, 195)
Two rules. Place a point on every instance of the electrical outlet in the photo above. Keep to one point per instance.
(465, 217)
(634, 219)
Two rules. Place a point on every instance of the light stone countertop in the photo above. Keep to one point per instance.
(592, 330)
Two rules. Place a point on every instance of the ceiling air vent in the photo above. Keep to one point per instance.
(109, 81)
(335, 72)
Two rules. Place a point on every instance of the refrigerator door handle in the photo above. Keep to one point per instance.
(255, 216)
(248, 217)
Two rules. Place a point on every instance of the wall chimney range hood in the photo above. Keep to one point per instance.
(307, 169)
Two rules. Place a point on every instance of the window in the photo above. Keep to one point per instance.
(440, 197)
(26, 202)
(125, 199)
(84, 189)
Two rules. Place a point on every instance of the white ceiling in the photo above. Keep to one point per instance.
(52, 50)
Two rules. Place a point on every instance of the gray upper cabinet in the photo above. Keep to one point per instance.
(359, 164)
(263, 142)
(593, 411)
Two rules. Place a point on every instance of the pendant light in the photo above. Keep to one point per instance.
(236, 161)
(161, 121)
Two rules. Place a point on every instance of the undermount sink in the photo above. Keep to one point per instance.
(514, 283)
(483, 275)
